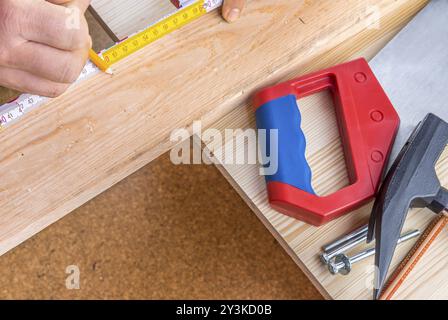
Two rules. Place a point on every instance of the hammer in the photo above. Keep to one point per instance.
(412, 182)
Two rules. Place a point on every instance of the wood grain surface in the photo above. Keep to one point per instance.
(303, 242)
(76, 146)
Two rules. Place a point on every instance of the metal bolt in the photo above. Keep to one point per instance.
(342, 264)
(340, 241)
(350, 241)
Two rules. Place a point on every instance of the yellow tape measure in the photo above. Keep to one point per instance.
(155, 32)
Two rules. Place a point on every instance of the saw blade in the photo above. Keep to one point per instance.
(413, 69)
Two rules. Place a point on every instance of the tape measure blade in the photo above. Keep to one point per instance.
(155, 32)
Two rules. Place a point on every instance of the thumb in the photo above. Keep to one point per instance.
(231, 9)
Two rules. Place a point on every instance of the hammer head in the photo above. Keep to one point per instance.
(411, 182)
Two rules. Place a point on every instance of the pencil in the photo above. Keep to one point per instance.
(100, 63)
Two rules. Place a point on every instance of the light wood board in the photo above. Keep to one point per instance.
(124, 18)
(303, 242)
(69, 150)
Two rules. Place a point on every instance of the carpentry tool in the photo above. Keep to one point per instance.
(411, 182)
(342, 263)
(413, 69)
(367, 123)
(188, 12)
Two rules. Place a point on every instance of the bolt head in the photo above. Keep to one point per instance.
(343, 263)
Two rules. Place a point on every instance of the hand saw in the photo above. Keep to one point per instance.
(413, 70)
(367, 124)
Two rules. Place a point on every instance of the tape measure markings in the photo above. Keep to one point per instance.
(155, 32)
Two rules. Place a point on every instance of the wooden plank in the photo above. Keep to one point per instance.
(74, 147)
(123, 18)
(303, 242)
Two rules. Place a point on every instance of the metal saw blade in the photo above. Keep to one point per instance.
(413, 69)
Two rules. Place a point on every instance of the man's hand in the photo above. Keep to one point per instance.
(43, 44)
(231, 9)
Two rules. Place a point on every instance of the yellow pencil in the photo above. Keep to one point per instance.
(100, 63)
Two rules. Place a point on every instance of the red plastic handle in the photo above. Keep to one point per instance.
(368, 124)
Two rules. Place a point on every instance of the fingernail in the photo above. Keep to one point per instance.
(234, 14)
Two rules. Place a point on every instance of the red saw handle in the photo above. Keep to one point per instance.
(367, 123)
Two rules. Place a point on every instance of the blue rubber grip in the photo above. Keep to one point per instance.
(283, 114)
